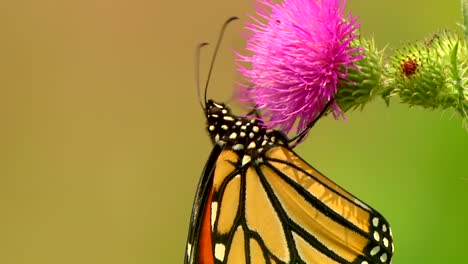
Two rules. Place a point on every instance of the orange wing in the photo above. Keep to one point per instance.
(279, 209)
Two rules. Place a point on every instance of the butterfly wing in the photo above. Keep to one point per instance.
(282, 210)
(200, 202)
(326, 221)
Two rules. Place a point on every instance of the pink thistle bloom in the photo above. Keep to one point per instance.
(299, 55)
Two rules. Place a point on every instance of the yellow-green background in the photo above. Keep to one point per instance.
(102, 140)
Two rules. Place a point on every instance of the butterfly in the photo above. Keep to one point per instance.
(259, 202)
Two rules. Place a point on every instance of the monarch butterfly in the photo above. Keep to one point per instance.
(259, 202)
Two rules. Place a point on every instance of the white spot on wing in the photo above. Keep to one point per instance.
(246, 159)
(364, 262)
(383, 258)
(375, 250)
(214, 212)
(233, 135)
(220, 250)
(255, 129)
(384, 228)
(224, 127)
(228, 118)
(211, 128)
(242, 134)
(376, 236)
(375, 221)
(251, 145)
(385, 242)
(189, 250)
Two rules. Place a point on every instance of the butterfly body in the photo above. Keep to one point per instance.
(247, 137)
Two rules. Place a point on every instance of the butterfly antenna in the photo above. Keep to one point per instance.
(197, 71)
(218, 43)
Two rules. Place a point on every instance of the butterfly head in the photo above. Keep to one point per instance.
(219, 119)
(216, 110)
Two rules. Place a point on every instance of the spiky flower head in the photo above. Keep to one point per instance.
(300, 50)
(433, 74)
(367, 81)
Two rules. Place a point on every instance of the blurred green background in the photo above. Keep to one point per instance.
(102, 140)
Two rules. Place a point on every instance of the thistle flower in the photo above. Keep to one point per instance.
(299, 55)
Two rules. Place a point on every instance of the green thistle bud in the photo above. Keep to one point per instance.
(364, 82)
(432, 74)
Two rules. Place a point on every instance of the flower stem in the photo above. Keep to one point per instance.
(432, 74)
